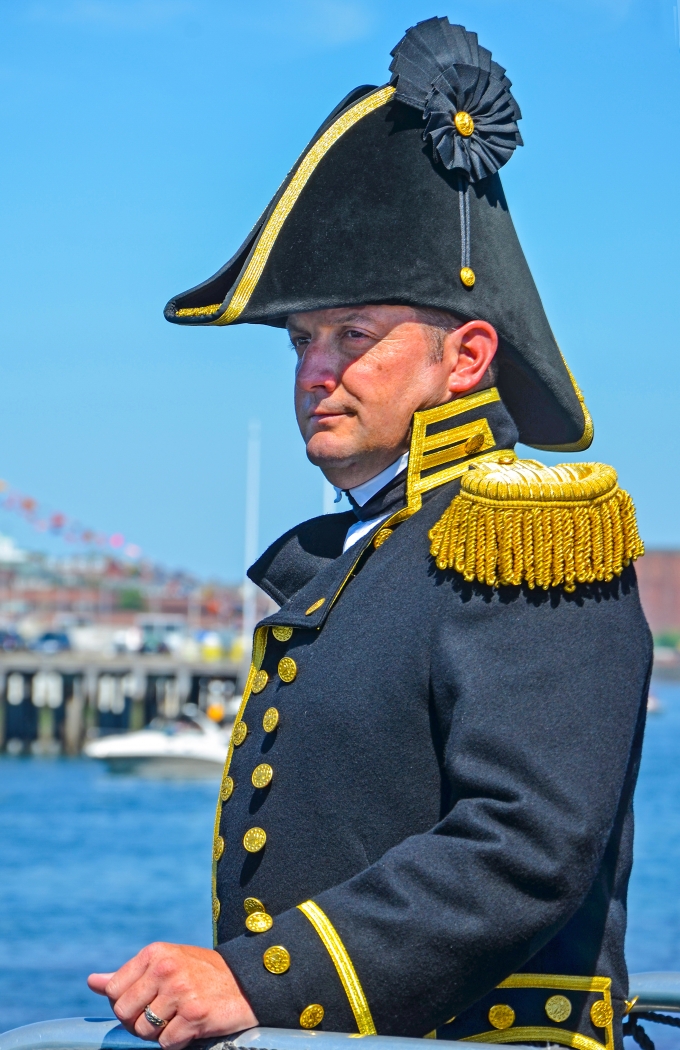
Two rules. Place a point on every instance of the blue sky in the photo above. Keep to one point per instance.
(142, 138)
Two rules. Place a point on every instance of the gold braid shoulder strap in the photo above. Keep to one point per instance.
(545, 526)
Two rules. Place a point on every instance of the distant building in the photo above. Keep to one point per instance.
(659, 576)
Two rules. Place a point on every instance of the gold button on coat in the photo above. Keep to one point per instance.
(601, 1014)
(282, 634)
(259, 681)
(259, 922)
(312, 1015)
(270, 720)
(226, 789)
(254, 839)
(276, 959)
(218, 847)
(262, 775)
(216, 909)
(252, 904)
(383, 535)
(313, 608)
(558, 1008)
(287, 669)
(239, 733)
(502, 1016)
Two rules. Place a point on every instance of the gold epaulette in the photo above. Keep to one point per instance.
(524, 522)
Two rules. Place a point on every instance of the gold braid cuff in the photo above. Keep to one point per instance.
(544, 526)
(343, 964)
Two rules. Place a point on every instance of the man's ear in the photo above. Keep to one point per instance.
(476, 343)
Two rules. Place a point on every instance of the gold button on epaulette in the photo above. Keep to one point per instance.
(383, 535)
(218, 847)
(282, 634)
(270, 720)
(239, 733)
(259, 681)
(601, 1014)
(216, 909)
(276, 959)
(312, 1015)
(558, 1008)
(287, 669)
(313, 608)
(473, 444)
(501, 1016)
(254, 839)
(465, 125)
(252, 904)
(226, 789)
(259, 922)
(262, 775)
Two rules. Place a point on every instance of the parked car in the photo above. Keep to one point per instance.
(51, 642)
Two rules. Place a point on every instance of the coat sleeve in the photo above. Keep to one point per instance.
(535, 700)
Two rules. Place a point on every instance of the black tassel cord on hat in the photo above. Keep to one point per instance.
(465, 98)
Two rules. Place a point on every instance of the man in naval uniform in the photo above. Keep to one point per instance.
(425, 821)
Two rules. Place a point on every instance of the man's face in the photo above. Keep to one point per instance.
(361, 374)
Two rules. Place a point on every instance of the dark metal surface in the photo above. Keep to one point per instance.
(656, 991)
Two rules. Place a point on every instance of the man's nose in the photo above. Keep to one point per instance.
(318, 368)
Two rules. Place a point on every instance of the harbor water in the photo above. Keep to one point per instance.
(94, 866)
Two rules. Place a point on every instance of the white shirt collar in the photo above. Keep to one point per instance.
(362, 493)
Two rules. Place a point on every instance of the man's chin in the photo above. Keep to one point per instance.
(328, 454)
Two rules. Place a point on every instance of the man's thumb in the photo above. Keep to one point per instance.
(97, 982)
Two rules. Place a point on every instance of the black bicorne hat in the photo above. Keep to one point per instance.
(397, 199)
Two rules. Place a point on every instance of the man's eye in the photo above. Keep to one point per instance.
(299, 342)
(353, 333)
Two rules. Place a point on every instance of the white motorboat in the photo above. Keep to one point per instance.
(190, 746)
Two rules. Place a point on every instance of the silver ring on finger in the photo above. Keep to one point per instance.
(153, 1018)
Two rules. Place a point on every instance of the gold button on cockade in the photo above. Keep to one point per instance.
(276, 959)
(226, 789)
(313, 608)
(287, 669)
(262, 775)
(383, 535)
(254, 839)
(558, 1008)
(312, 1015)
(282, 634)
(216, 909)
(259, 922)
(465, 125)
(239, 733)
(601, 1014)
(502, 1016)
(259, 681)
(218, 847)
(270, 720)
(467, 276)
(252, 904)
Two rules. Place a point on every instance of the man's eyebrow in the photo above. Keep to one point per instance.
(349, 318)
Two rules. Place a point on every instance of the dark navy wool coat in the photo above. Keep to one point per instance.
(453, 772)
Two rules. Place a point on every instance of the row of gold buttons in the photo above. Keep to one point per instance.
(557, 1007)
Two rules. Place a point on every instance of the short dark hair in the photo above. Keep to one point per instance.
(440, 322)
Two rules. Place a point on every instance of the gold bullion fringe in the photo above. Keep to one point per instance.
(544, 538)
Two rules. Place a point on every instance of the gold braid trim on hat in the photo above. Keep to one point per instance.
(544, 526)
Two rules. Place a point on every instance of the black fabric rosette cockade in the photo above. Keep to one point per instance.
(463, 95)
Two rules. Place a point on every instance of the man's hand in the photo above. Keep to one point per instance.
(192, 989)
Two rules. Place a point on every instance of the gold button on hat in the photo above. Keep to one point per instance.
(252, 904)
(276, 959)
(558, 1008)
(239, 733)
(226, 789)
(312, 1015)
(270, 720)
(259, 681)
(259, 922)
(467, 276)
(287, 669)
(218, 847)
(216, 909)
(254, 839)
(465, 125)
(262, 775)
(313, 608)
(601, 1014)
(282, 634)
(502, 1016)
